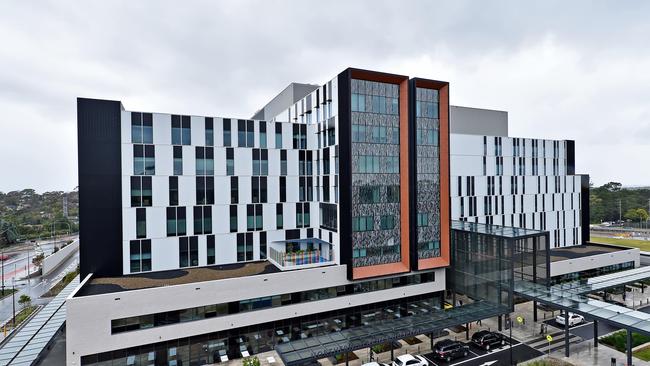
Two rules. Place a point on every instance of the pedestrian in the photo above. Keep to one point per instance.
(541, 328)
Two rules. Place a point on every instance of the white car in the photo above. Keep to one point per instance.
(574, 319)
(409, 360)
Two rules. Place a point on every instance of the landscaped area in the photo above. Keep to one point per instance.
(62, 284)
(7, 292)
(618, 340)
(549, 362)
(634, 243)
(642, 354)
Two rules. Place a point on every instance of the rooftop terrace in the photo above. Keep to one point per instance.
(104, 285)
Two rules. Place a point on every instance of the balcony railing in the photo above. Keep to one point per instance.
(299, 258)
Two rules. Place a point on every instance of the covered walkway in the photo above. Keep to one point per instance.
(28, 343)
(572, 297)
(311, 349)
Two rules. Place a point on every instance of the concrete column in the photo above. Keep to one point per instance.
(566, 333)
(346, 359)
(595, 333)
(535, 311)
(629, 347)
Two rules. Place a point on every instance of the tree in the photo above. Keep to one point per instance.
(38, 259)
(637, 214)
(25, 300)
(613, 186)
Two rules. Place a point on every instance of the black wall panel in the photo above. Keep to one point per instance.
(100, 187)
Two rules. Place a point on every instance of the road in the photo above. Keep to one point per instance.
(15, 270)
(496, 357)
(584, 331)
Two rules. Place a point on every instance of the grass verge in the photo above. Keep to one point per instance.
(7, 292)
(62, 284)
(643, 353)
(634, 243)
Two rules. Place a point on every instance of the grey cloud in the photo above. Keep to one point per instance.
(227, 58)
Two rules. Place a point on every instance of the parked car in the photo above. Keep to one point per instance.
(574, 319)
(486, 339)
(410, 360)
(448, 350)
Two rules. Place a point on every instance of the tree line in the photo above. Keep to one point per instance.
(611, 202)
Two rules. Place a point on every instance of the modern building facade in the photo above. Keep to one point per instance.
(206, 238)
(519, 182)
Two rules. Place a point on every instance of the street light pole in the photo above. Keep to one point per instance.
(3, 273)
(13, 298)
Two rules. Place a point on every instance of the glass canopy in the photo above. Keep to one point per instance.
(310, 349)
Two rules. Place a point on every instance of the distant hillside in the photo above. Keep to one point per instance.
(29, 215)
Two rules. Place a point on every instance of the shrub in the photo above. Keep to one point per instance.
(251, 361)
(618, 340)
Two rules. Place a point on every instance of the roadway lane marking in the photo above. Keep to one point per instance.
(487, 354)
(430, 360)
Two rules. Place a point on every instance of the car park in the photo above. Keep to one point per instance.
(574, 319)
(448, 350)
(410, 360)
(487, 340)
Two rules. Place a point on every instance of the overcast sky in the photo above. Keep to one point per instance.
(563, 70)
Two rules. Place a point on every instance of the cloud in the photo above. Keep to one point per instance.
(573, 70)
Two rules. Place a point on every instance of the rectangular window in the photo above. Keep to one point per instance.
(283, 189)
(176, 221)
(262, 245)
(250, 134)
(204, 161)
(141, 191)
(202, 220)
(226, 132)
(387, 222)
(241, 133)
(263, 134)
(181, 134)
(178, 160)
(209, 131)
(363, 223)
(210, 250)
(279, 217)
(278, 135)
(204, 190)
(256, 161)
(140, 256)
(230, 161)
(234, 190)
(233, 218)
(173, 191)
(144, 160)
(141, 128)
(283, 162)
(188, 251)
(423, 219)
(141, 223)
(392, 194)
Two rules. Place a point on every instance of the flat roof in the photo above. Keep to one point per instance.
(105, 285)
(580, 251)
